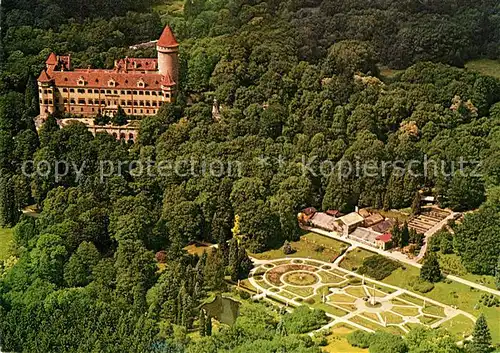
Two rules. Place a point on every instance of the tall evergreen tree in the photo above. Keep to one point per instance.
(234, 260)
(405, 235)
(396, 234)
(245, 263)
(497, 274)
(431, 271)
(202, 323)
(9, 214)
(481, 337)
(208, 329)
(416, 207)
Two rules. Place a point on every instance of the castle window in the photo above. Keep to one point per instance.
(115, 92)
(160, 93)
(153, 93)
(96, 91)
(65, 101)
(135, 111)
(108, 91)
(71, 90)
(141, 103)
(122, 92)
(147, 93)
(41, 102)
(135, 92)
(40, 90)
(123, 103)
(49, 90)
(89, 91)
(65, 90)
(81, 109)
(81, 101)
(128, 110)
(81, 90)
(72, 101)
(167, 95)
(129, 92)
(103, 91)
(154, 104)
(50, 101)
(147, 111)
(141, 83)
(45, 101)
(148, 103)
(141, 93)
(142, 111)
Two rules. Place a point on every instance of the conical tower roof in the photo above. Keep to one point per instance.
(167, 38)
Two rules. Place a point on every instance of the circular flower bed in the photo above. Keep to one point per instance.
(300, 278)
(274, 275)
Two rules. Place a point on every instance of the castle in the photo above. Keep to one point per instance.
(139, 86)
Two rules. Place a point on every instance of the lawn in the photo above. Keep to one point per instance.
(485, 67)
(434, 310)
(311, 245)
(405, 311)
(328, 308)
(337, 341)
(354, 259)
(392, 318)
(460, 326)
(300, 291)
(452, 293)
(358, 292)
(328, 277)
(6, 238)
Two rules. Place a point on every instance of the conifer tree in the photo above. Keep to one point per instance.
(416, 207)
(234, 260)
(208, 329)
(9, 214)
(431, 271)
(481, 337)
(405, 235)
(396, 234)
(202, 323)
(245, 263)
(497, 274)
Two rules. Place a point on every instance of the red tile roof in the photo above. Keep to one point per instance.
(167, 38)
(387, 237)
(44, 77)
(137, 64)
(100, 78)
(52, 59)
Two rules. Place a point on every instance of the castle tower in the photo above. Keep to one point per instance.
(51, 62)
(168, 54)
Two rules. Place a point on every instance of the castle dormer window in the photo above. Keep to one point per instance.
(81, 81)
(141, 83)
(111, 83)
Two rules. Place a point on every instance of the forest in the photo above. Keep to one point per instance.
(102, 268)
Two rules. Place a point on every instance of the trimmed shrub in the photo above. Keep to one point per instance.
(420, 285)
(378, 267)
(361, 339)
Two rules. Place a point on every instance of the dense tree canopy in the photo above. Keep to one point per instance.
(306, 119)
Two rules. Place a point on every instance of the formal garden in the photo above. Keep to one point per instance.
(353, 299)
